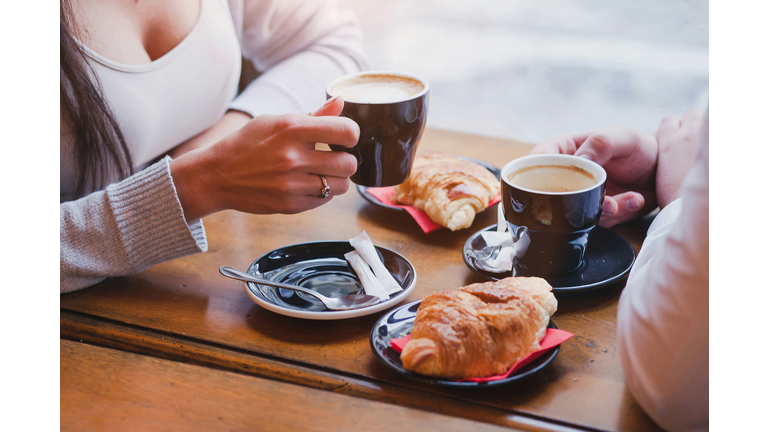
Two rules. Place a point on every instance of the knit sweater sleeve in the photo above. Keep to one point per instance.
(125, 229)
(300, 46)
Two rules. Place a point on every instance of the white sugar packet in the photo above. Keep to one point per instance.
(367, 278)
(364, 246)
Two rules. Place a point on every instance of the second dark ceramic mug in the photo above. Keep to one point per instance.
(551, 229)
(389, 132)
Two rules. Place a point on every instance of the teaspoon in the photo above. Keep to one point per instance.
(348, 302)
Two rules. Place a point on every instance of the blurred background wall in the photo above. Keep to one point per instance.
(528, 69)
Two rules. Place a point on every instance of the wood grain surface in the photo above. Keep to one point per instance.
(97, 331)
(106, 389)
(584, 387)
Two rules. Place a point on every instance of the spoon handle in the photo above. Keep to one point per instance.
(245, 277)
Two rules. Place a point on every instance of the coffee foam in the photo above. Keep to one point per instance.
(553, 178)
(378, 88)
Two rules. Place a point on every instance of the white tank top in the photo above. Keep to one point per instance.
(162, 104)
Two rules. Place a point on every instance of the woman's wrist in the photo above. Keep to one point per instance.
(191, 168)
(195, 187)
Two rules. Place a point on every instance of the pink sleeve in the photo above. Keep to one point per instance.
(663, 313)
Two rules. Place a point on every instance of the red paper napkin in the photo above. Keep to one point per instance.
(553, 338)
(385, 195)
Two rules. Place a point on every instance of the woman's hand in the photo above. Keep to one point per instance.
(629, 158)
(679, 141)
(270, 165)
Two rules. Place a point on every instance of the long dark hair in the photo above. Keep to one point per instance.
(98, 142)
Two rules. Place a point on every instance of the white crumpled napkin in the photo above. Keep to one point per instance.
(504, 260)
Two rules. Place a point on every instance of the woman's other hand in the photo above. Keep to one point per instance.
(232, 121)
(270, 165)
(629, 158)
(679, 141)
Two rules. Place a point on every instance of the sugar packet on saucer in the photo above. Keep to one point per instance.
(371, 285)
(364, 246)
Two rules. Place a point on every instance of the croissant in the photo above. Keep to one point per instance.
(479, 330)
(450, 190)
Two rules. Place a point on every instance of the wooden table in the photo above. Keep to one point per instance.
(183, 311)
(146, 393)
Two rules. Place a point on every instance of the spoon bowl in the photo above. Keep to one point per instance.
(348, 302)
(485, 259)
(487, 256)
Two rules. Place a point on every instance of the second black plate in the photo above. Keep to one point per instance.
(399, 322)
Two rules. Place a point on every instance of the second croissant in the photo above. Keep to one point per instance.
(449, 189)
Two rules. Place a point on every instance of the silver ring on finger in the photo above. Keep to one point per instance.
(326, 191)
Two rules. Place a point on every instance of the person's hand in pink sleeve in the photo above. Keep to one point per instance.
(629, 158)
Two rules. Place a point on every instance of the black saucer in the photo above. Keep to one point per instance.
(363, 190)
(321, 267)
(608, 259)
(399, 322)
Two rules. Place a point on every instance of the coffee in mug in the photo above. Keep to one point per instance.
(553, 178)
(377, 88)
(391, 110)
(551, 204)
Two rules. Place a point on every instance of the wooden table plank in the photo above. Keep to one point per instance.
(102, 332)
(106, 389)
(584, 386)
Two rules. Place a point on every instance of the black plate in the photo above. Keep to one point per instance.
(608, 258)
(399, 322)
(363, 190)
(321, 266)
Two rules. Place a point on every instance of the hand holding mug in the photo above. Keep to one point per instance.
(270, 165)
(629, 158)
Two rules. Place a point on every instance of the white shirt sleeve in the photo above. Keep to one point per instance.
(299, 46)
(663, 313)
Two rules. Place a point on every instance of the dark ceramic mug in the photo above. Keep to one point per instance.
(551, 229)
(389, 133)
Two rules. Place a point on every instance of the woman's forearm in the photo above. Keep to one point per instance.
(232, 121)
